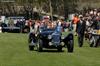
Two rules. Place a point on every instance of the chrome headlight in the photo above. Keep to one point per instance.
(62, 37)
(40, 31)
(49, 36)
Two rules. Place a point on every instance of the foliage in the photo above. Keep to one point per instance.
(59, 7)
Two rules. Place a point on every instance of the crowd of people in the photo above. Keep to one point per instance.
(85, 23)
(81, 24)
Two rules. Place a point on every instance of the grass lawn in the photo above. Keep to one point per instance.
(14, 52)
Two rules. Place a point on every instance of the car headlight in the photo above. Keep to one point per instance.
(62, 37)
(40, 31)
(49, 36)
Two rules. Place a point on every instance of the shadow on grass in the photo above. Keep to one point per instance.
(51, 51)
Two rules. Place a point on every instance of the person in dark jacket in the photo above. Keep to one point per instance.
(80, 31)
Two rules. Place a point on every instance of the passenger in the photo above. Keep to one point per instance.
(47, 23)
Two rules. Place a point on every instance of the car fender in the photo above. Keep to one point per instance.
(68, 37)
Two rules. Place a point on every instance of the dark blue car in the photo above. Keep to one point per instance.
(52, 39)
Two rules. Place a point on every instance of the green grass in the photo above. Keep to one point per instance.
(14, 52)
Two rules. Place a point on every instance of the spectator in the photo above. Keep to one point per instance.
(75, 21)
(81, 30)
(11, 22)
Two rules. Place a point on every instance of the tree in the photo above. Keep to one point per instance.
(70, 6)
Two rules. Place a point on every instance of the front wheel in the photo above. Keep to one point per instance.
(39, 45)
(31, 48)
(70, 45)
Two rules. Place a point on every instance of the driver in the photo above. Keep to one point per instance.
(47, 23)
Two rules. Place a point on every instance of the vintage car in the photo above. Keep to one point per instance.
(51, 39)
(11, 29)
